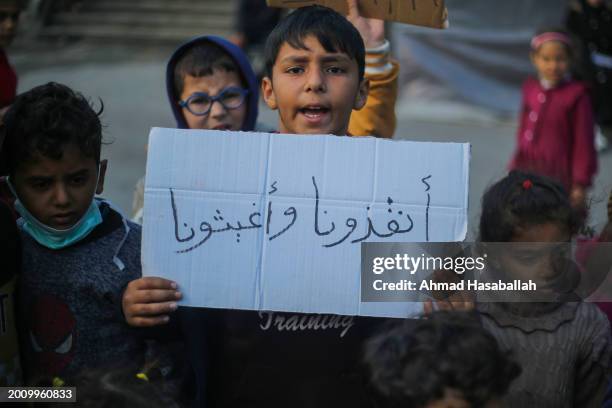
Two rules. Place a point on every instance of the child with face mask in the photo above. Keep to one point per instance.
(78, 252)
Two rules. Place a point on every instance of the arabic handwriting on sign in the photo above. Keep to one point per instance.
(207, 228)
(393, 226)
(352, 224)
(316, 222)
(273, 187)
(204, 227)
(427, 188)
(289, 212)
(254, 222)
(176, 228)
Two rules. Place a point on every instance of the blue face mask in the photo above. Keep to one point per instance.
(53, 238)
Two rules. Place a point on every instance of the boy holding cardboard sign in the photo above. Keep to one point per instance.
(315, 64)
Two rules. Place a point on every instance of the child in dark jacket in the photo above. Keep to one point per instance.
(78, 252)
(590, 21)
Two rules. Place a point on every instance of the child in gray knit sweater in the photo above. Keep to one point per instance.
(78, 253)
(562, 344)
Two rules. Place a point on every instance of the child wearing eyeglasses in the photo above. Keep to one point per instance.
(206, 70)
(210, 85)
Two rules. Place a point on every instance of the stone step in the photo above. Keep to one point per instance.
(168, 21)
(128, 33)
(137, 19)
(170, 6)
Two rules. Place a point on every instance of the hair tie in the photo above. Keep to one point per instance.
(142, 376)
(57, 382)
(538, 40)
(527, 184)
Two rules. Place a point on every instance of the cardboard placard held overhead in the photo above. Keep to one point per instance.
(274, 222)
(427, 13)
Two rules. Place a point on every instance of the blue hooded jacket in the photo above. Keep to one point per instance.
(246, 72)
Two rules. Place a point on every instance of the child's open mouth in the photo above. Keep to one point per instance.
(314, 114)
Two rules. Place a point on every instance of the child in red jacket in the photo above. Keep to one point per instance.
(556, 130)
(9, 16)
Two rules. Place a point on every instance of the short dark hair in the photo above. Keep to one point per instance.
(201, 60)
(523, 198)
(47, 118)
(414, 362)
(332, 30)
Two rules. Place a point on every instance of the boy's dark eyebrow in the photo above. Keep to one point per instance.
(295, 58)
(338, 57)
(80, 172)
(38, 177)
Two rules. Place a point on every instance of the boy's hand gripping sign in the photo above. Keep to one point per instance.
(428, 13)
(274, 222)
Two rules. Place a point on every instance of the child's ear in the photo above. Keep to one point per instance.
(362, 94)
(100, 186)
(267, 91)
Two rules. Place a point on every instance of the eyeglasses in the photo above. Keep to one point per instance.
(200, 103)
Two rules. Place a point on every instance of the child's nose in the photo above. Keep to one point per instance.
(61, 196)
(315, 81)
(217, 109)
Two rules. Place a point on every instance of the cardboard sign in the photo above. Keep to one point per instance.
(274, 222)
(428, 13)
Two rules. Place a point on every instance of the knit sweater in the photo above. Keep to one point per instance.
(70, 302)
(564, 352)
